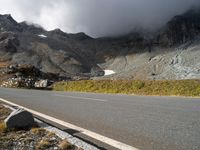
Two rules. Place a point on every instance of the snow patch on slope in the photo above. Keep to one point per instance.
(42, 36)
(109, 72)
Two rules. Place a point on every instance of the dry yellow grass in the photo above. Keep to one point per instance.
(3, 127)
(38, 131)
(51, 134)
(43, 144)
(137, 87)
(4, 64)
(4, 111)
(65, 145)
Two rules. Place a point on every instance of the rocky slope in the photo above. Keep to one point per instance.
(53, 51)
(170, 53)
(27, 76)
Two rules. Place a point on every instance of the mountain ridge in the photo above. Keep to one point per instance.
(76, 54)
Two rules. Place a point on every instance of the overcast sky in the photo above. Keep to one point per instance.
(96, 17)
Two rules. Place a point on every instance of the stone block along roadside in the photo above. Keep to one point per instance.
(19, 119)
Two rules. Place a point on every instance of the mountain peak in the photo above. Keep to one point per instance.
(31, 27)
(7, 17)
(80, 36)
(7, 23)
(181, 28)
(58, 32)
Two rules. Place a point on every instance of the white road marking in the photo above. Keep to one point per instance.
(94, 135)
(81, 98)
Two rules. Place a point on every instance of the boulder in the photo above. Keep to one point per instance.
(19, 119)
(41, 84)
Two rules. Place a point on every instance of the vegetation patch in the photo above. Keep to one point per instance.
(137, 87)
(4, 112)
(3, 127)
(65, 145)
(43, 144)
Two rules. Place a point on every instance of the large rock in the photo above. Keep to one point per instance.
(41, 84)
(19, 119)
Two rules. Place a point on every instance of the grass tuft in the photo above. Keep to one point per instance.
(43, 144)
(38, 131)
(65, 145)
(3, 127)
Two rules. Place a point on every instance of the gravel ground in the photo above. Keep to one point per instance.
(34, 139)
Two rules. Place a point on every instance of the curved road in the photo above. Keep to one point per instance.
(147, 123)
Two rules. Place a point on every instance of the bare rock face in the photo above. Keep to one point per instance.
(8, 42)
(19, 119)
(8, 23)
(49, 51)
(181, 29)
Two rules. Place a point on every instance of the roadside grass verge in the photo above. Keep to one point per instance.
(137, 87)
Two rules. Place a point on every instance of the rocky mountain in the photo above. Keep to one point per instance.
(181, 29)
(170, 53)
(51, 51)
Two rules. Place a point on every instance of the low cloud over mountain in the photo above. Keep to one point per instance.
(97, 17)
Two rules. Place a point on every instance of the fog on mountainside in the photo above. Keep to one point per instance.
(94, 17)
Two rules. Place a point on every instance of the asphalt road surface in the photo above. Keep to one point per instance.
(147, 123)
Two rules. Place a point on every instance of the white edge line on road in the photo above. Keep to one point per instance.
(87, 98)
(94, 135)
